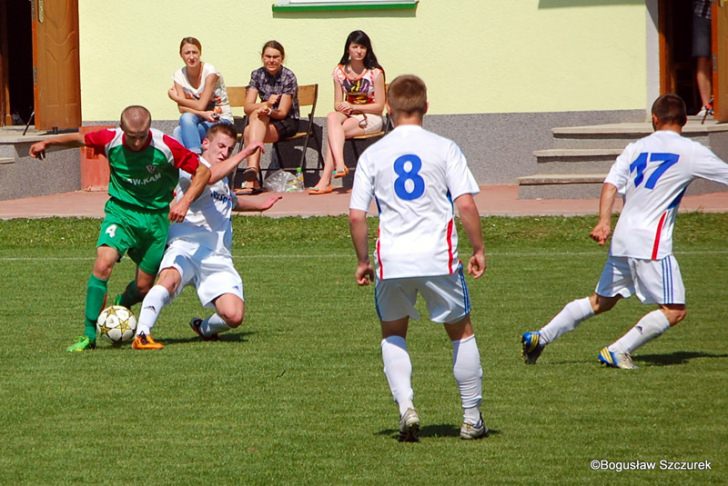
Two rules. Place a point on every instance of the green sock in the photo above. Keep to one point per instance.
(130, 296)
(95, 295)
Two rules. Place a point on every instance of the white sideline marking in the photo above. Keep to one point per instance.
(544, 254)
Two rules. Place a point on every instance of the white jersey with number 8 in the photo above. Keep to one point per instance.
(652, 174)
(414, 175)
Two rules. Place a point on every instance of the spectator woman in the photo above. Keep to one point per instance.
(275, 116)
(199, 91)
(358, 105)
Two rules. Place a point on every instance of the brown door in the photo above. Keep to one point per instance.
(57, 91)
(5, 117)
(720, 59)
(677, 66)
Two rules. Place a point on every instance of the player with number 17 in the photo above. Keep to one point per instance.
(652, 174)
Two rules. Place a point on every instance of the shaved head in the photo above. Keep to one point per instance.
(135, 123)
(136, 118)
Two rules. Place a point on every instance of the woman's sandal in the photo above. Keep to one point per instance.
(338, 174)
(315, 191)
(249, 191)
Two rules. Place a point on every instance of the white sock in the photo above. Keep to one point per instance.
(570, 316)
(213, 325)
(152, 305)
(398, 370)
(647, 329)
(469, 377)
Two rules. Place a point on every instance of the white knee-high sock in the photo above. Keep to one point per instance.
(398, 370)
(647, 329)
(152, 305)
(469, 377)
(570, 316)
(213, 325)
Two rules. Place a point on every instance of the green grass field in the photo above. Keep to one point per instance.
(297, 395)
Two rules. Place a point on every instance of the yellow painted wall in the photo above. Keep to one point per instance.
(477, 56)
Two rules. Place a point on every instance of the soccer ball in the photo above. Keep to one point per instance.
(117, 324)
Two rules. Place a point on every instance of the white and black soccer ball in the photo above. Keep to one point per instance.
(117, 324)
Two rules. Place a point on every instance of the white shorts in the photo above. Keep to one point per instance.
(653, 281)
(447, 297)
(211, 274)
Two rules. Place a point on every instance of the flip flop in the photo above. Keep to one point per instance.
(338, 174)
(250, 174)
(249, 191)
(315, 191)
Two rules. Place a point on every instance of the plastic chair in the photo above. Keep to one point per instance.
(236, 97)
(308, 132)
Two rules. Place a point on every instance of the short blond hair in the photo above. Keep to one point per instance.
(407, 95)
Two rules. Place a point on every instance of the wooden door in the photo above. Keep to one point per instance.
(5, 117)
(57, 91)
(720, 59)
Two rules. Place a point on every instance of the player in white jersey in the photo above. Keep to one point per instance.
(198, 248)
(417, 179)
(652, 174)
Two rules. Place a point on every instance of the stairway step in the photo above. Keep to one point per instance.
(575, 161)
(560, 186)
(618, 135)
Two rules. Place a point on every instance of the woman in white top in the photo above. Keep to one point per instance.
(358, 104)
(199, 91)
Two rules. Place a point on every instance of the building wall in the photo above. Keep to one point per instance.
(477, 56)
(500, 73)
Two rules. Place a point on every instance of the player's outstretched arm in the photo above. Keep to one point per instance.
(249, 204)
(200, 178)
(222, 169)
(38, 149)
(359, 230)
(603, 228)
(470, 218)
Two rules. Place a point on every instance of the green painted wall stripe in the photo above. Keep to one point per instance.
(328, 8)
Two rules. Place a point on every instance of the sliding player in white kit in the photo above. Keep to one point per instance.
(198, 249)
(414, 176)
(652, 174)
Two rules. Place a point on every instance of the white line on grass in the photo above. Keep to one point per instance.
(536, 254)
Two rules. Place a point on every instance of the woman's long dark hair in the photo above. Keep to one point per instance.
(360, 37)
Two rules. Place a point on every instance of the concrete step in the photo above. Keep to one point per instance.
(582, 156)
(575, 161)
(15, 145)
(585, 186)
(618, 135)
(560, 186)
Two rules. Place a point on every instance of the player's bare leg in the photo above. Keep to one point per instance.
(136, 290)
(230, 312)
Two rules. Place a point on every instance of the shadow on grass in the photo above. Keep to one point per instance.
(676, 358)
(434, 431)
(235, 337)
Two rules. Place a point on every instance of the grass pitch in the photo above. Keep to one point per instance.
(297, 395)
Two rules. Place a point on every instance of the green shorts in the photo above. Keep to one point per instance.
(141, 234)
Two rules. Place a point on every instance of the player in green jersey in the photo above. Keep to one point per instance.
(144, 168)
